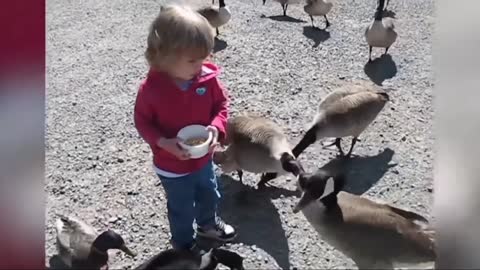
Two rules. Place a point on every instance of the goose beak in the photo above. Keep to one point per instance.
(125, 249)
(306, 199)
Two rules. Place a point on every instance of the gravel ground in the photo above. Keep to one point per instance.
(99, 169)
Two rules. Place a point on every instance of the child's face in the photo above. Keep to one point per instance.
(187, 66)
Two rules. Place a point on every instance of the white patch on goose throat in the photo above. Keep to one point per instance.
(329, 187)
(206, 258)
(59, 225)
(224, 14)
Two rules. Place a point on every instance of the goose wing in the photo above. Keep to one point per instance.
(347, 90)
(75, 236)
(208, 12)
(354, 112)
(393, 226)
(254, 129)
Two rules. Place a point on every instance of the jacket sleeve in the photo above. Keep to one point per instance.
(220, 110)
(144, 118)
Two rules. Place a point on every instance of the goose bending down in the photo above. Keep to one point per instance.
(318, 8)
(374, 235)
(186, 259)
(257, 145)
(381, 32)
(347, 111)
(80, 245)
(216, 16)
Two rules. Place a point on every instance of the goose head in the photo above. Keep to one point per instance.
(225, 159)
(317, 186)
(111, 240)
(291, 164)
(228, 258)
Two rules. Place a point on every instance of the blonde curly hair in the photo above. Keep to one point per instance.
(175, 31)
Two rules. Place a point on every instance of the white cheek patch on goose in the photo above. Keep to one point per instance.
(206, 258)
(329, 187)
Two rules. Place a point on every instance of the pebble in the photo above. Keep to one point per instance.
(112, 219)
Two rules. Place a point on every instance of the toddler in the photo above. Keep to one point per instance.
(182, 88)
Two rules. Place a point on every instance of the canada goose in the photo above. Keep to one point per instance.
(318, 8)
(185, 259)
(284, 4)
(79, 244)
(216, 16)
(381, 32)
(347, 111)
(374, 235)
(257, 145)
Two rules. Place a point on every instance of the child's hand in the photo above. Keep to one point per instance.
(172, 146)
(214, 142)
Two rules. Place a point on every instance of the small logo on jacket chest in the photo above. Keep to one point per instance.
(201, 91)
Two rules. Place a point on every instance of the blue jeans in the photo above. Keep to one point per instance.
(191, 197)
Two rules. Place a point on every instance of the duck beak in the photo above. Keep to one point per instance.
(125, 249)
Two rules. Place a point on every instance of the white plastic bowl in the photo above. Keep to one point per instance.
(194, 131)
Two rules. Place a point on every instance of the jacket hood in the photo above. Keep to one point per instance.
(209, 71)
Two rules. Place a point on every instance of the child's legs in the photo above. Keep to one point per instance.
(207, 196)
(181, 213)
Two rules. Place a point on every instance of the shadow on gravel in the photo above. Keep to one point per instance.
(362, 172)
(219, 45)
(255, 217)
(316, 34)
(380, 69)
(281, 18)
(56, 263)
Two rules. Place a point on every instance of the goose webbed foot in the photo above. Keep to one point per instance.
(327, 23)
(338, 144)
(284, 8)
(265, 178)
(354, 140)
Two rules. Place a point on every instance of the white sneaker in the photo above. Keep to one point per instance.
(221, 232)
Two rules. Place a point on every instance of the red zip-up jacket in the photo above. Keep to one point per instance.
(162, 109)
